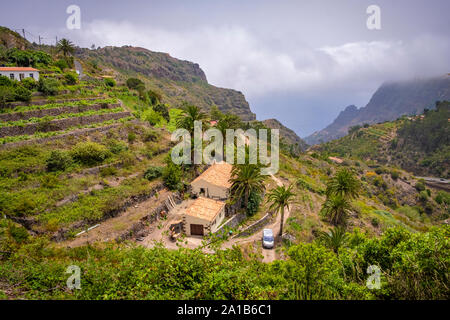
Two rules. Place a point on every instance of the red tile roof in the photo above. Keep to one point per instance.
(17, 69)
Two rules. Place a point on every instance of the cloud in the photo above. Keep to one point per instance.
(233, 57)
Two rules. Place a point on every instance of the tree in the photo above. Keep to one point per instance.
(280, 198)
(336, 208)
(172, 175)
(190, 114)
(65, 46)
(334, 239)
(343, 184)
(246, 179)
(134, 83)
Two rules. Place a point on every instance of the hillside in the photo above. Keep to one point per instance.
(295, 143)
(87, 180)
(419, 144)
(176, 80)
(388, 103)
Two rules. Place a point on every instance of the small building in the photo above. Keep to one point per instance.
(204, 215)
(19, 73)
(214, 182)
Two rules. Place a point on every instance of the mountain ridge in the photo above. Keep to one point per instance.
(390, 101)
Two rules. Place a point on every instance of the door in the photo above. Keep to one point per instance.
(196, 229)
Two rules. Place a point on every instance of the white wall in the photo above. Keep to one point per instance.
(17, 74)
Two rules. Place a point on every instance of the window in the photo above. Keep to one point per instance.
(31, 76)
(11, 76)
(21, 76)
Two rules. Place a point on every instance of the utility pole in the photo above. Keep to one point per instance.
(39, 40)
(23, 31)
(56, 40)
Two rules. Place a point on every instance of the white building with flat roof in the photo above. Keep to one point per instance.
(19, 73)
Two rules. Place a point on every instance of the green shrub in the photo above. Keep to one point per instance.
(18, 233)
(62, 64)
(154, 98)
(58, 161)
(109, 82)
(153, 172)
(162, 110)
(22, 94)
(254, 201)
(49, 181)
(172, 176)
(149, 135)
(71, 78)
(116, 146)
(443, 197)
(423, 196)
(108, 171)
(420, 186)
(6, 94)
(29, 83)
(5, 81)
(134, 83)
(394, 175)
(131, 137)
(89, 153)
(48, 86)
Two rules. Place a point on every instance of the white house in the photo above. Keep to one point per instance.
(19, 73)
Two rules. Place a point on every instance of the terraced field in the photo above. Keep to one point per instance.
(40, 121)
(115, 147)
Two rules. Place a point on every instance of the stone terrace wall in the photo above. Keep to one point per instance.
(45, 101)
(231, 223)
(256, 226)
(15, 116)
(60, 124)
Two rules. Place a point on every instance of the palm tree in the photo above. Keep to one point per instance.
(65, 46)
(190, 114)
(336, 208)
(244, 180)
(334, 239)
(280, 198)
(343, 184)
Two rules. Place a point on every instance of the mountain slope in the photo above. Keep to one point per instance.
(389, 102)
(295, 143)
(419, 144)
(176, 80)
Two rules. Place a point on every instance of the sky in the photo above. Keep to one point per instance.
(300, 61)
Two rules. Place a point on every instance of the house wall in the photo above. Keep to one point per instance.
(208, 226)
(212, 191)
(17, 74)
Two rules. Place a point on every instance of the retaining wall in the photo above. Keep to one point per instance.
(258, 225)
(60, 124)
(15, 116)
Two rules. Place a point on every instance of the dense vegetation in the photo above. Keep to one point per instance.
(414, 266)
